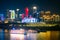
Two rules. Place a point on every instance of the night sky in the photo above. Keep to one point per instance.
(52, 5)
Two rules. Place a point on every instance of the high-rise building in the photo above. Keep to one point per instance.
(42, 13)
(47, 13)
(8, 14)
(17, 14)
(56, 18)
(34, 11)
(26, 11)
(12, 14)
(2, 17)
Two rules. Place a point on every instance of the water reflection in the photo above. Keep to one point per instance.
(22, 35)
(1, 34)
(28, 35)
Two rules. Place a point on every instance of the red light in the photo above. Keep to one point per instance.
(23, 16)
(26, 11)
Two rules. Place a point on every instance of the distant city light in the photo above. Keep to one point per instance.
(2, 17)
(10, 10)
(21, 29)
(13, 28)
(26, 11)
(12, 14)
(6, 30)
(34, 7)
(17, 9)
(29, 20)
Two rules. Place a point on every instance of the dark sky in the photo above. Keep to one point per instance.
(52, 5)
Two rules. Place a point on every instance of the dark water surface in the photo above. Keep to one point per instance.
(4, 35)
(15, 35)
(29, 35)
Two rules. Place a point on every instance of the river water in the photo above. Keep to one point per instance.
(17, 35)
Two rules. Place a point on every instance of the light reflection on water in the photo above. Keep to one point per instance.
(1, 35)
(29, 35)
(17, 35)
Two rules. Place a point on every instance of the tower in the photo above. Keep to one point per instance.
(26, 11)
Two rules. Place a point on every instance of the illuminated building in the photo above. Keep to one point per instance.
(53, 17)
(46, 16)
(12, 12)
(47, 12)
(20, 15)
(17, 13)
(8, 14)
(41, 13)
(29, 20)
(56, 18)
(34, 9)
(2, 18)
(23, 15)
(6, 21)
(26, 11)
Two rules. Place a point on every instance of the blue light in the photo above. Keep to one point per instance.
(29, 20)
(1, 34)
(13, 28)
(2, 17)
